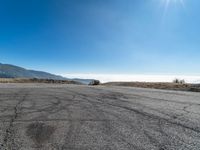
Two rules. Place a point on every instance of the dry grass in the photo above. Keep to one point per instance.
(161, 85)
(24, 80)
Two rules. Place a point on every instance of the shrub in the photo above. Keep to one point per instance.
(94, 82)
(179, 81)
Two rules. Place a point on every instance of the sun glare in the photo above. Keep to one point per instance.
(170, 2)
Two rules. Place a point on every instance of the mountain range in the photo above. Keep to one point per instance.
(12, 71)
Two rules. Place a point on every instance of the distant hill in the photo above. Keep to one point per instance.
(12, 71)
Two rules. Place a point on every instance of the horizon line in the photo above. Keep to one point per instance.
(134, 77)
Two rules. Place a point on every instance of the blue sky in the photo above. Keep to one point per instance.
(101, 36)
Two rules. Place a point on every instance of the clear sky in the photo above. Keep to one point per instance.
(102, 36)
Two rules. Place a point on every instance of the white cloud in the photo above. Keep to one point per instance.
(134, 77)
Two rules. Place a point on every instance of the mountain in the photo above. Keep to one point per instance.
(11, 71)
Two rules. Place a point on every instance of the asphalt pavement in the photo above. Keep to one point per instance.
(78, 117)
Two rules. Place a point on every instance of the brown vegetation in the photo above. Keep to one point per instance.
(161, 85)
(35, 80)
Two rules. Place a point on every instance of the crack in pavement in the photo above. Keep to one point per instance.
(82, 117)
(8, 140)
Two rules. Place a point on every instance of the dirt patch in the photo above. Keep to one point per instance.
(39, 132)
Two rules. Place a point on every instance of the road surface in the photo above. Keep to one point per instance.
(75, 117)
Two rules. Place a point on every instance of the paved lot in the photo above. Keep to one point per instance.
(72, 117)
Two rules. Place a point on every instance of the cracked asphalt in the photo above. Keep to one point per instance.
(76, 117)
